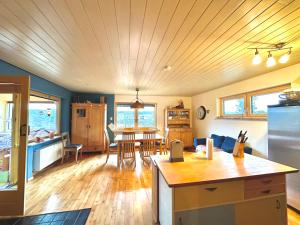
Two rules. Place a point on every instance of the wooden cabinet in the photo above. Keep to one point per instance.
(272, 189)
(267, 211)
(213, 192)
(178, 122)
(186, 135)
(183, 134)
(178, 117)
(218, 215)
(88, 123)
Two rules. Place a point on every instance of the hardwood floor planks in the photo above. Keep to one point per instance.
(117, 197)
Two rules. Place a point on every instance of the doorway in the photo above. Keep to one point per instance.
(14, 94)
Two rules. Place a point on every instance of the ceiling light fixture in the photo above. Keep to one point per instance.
(257, 58)
(138, 103)
(271, 60)
(167, 68)
(284, 58)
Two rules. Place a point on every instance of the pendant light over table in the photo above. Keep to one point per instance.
(138, 103)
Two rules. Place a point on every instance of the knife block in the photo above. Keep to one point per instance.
(238, 150)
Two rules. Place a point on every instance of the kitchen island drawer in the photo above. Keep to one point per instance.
(264, 191)
(198, 196)
(265, 181)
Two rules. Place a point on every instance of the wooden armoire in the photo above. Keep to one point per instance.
(88, 124)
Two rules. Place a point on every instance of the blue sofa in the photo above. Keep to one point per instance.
(222, 142)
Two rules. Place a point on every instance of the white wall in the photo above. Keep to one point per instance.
(162, 103)
(257, 130)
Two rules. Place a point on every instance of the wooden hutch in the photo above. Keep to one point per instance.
(179, 123)
(88, 124)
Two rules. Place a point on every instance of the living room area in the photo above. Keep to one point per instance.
(170, 112)
(49, 189)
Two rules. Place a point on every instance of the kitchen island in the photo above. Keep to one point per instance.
(226, 190)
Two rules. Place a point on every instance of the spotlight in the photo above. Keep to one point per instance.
(271, 60)
(257, 58)
(284, 58)
(271, 48)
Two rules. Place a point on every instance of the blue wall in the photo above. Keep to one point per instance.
(47, 87)
(95, 98)
(41, 85)
(44, 86)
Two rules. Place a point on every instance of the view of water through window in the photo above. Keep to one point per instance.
(42, 118)
(146, 117)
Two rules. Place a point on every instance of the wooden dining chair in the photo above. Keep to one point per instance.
(165, 142)
(128, 146)
(148, 147)
(68, 147)
(111, 148)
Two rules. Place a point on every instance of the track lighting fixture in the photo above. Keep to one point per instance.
(257, 59)
(284, 58)
(271, 60)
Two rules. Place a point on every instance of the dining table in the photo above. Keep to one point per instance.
(139, 137)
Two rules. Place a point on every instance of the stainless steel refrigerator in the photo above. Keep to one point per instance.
(284, 145)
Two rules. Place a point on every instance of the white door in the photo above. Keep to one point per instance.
(14, 95)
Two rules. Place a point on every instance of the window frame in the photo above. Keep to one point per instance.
(58, 109)
(135, 115)
(248, 102)
(238, 96)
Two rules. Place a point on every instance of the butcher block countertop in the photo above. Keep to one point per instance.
(224, 167)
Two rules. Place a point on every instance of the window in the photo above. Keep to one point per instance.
(44, 115)
(146, 116)
(234, 106)
(251, 104)
(259, 103)
(127, 117)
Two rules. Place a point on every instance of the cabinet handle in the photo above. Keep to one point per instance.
(180, 221)
(211, 189)
(266, 191)
(266, 181)
(278, 205)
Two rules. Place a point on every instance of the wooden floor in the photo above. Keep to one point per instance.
(117, 197)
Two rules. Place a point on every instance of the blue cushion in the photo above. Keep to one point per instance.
(248, 150)
(218, 140)
(73, 146)
(228, 144)
(158, 142)
(113, 145)
(199, 141)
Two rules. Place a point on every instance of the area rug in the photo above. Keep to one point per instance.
(75, 217)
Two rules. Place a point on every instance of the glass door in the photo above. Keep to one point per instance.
(14, 94)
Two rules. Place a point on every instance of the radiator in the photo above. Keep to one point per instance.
(46, 156)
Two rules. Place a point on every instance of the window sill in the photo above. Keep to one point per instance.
(45, 140)
(242, 118)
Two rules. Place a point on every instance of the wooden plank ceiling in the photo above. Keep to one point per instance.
(114, 46)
